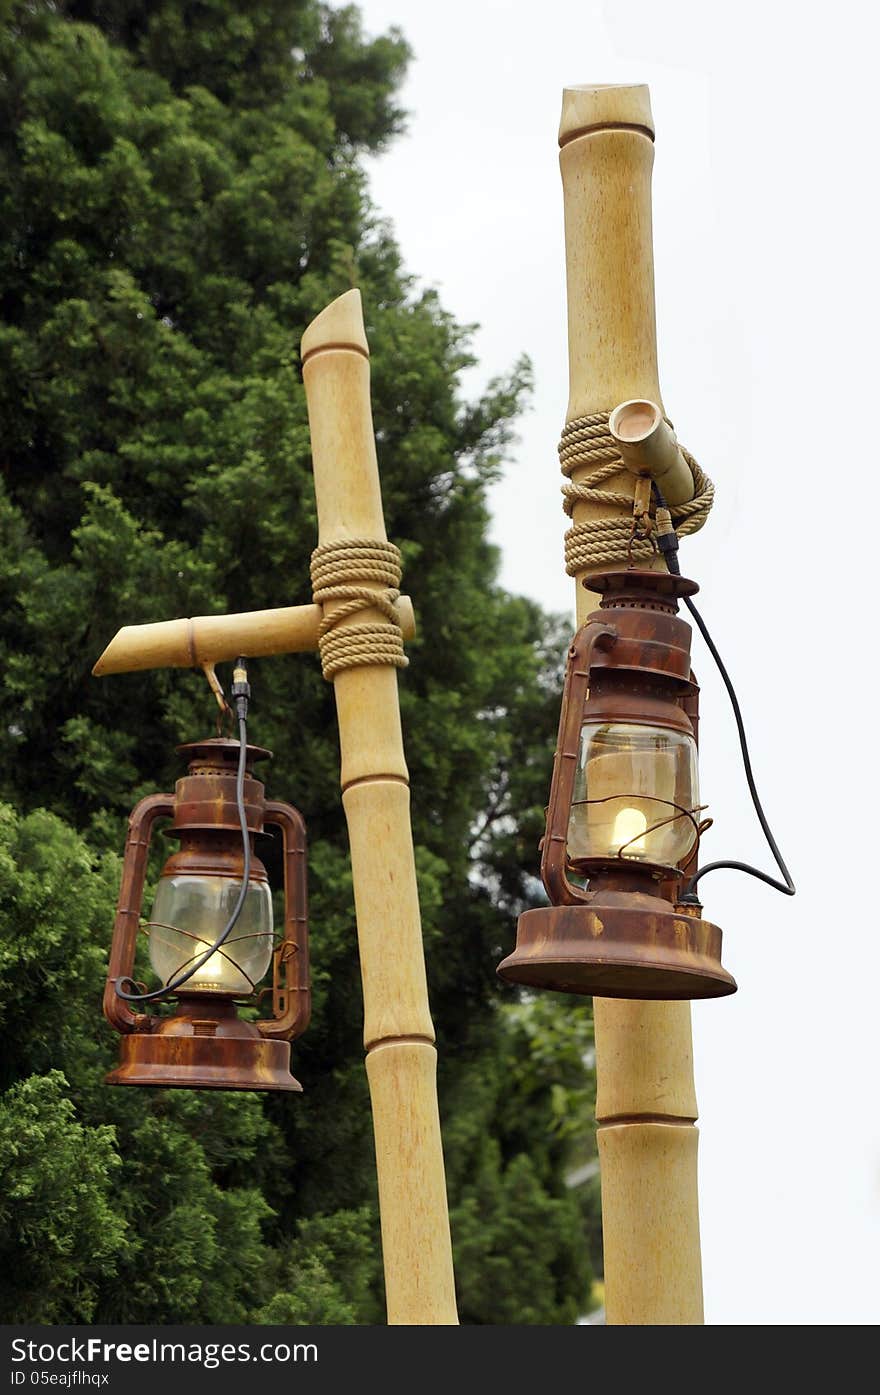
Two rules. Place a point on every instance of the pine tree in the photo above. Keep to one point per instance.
(182, 191)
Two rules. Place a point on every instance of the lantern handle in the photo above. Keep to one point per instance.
(291, 991)
(594, 634)
(128, 912)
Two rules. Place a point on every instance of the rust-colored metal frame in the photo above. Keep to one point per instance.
(291, 991)
(554, 854)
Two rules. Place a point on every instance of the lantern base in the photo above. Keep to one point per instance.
(620, 945)
(204, 1046)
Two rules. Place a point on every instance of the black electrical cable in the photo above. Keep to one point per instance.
(668, 543)
(241, 693)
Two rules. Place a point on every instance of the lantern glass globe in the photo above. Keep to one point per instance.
(190, 912)
(634, 789)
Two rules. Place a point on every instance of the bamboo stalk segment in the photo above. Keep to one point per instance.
(605, 105)
(398, 1033)
(606, 158)
(415, 1247)
(651, 1227)
(643, 1050)
(647, 1060)
(390, 942)
(210, 639)
(649, 447)
(336, 373)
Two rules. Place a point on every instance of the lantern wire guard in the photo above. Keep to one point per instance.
(699, 825)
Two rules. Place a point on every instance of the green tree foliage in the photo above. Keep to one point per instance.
(56, 1206)
(518, 1115)
(182, 191)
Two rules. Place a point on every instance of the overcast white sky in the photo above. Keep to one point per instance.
(765, 250)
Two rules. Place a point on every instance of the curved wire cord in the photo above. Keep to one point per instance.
(174, 983)
(669, 547)
(787, 887)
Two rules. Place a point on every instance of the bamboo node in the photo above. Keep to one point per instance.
(609, 541)
(341, 571)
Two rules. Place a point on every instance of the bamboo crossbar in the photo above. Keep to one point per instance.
(212, 639)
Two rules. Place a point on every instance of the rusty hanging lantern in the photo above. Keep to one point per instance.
(623, 822)
(204, 1043)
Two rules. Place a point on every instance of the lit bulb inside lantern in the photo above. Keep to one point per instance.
(211, 971)
(630, 826)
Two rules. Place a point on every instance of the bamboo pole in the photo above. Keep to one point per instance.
(646, 1103)
(209, 639)
(398, 1033)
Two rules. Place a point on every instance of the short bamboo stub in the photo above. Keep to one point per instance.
(648, 447)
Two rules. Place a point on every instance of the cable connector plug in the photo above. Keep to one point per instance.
(690, 899)
(666, 538)
(240, 691)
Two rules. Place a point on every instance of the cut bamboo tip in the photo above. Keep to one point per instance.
(211, 639)
(648, 446)
(340, 325)
(605, 106)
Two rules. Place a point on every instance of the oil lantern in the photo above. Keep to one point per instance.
(211, 934)
(624, 817)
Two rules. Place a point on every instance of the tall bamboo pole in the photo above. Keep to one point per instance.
(398, 1033)
(646, 1104)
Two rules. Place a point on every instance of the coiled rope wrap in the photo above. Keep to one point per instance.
(607, 541)
(339, 571)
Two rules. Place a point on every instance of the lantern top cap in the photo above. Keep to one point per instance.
(219, 753)
(639, 586)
